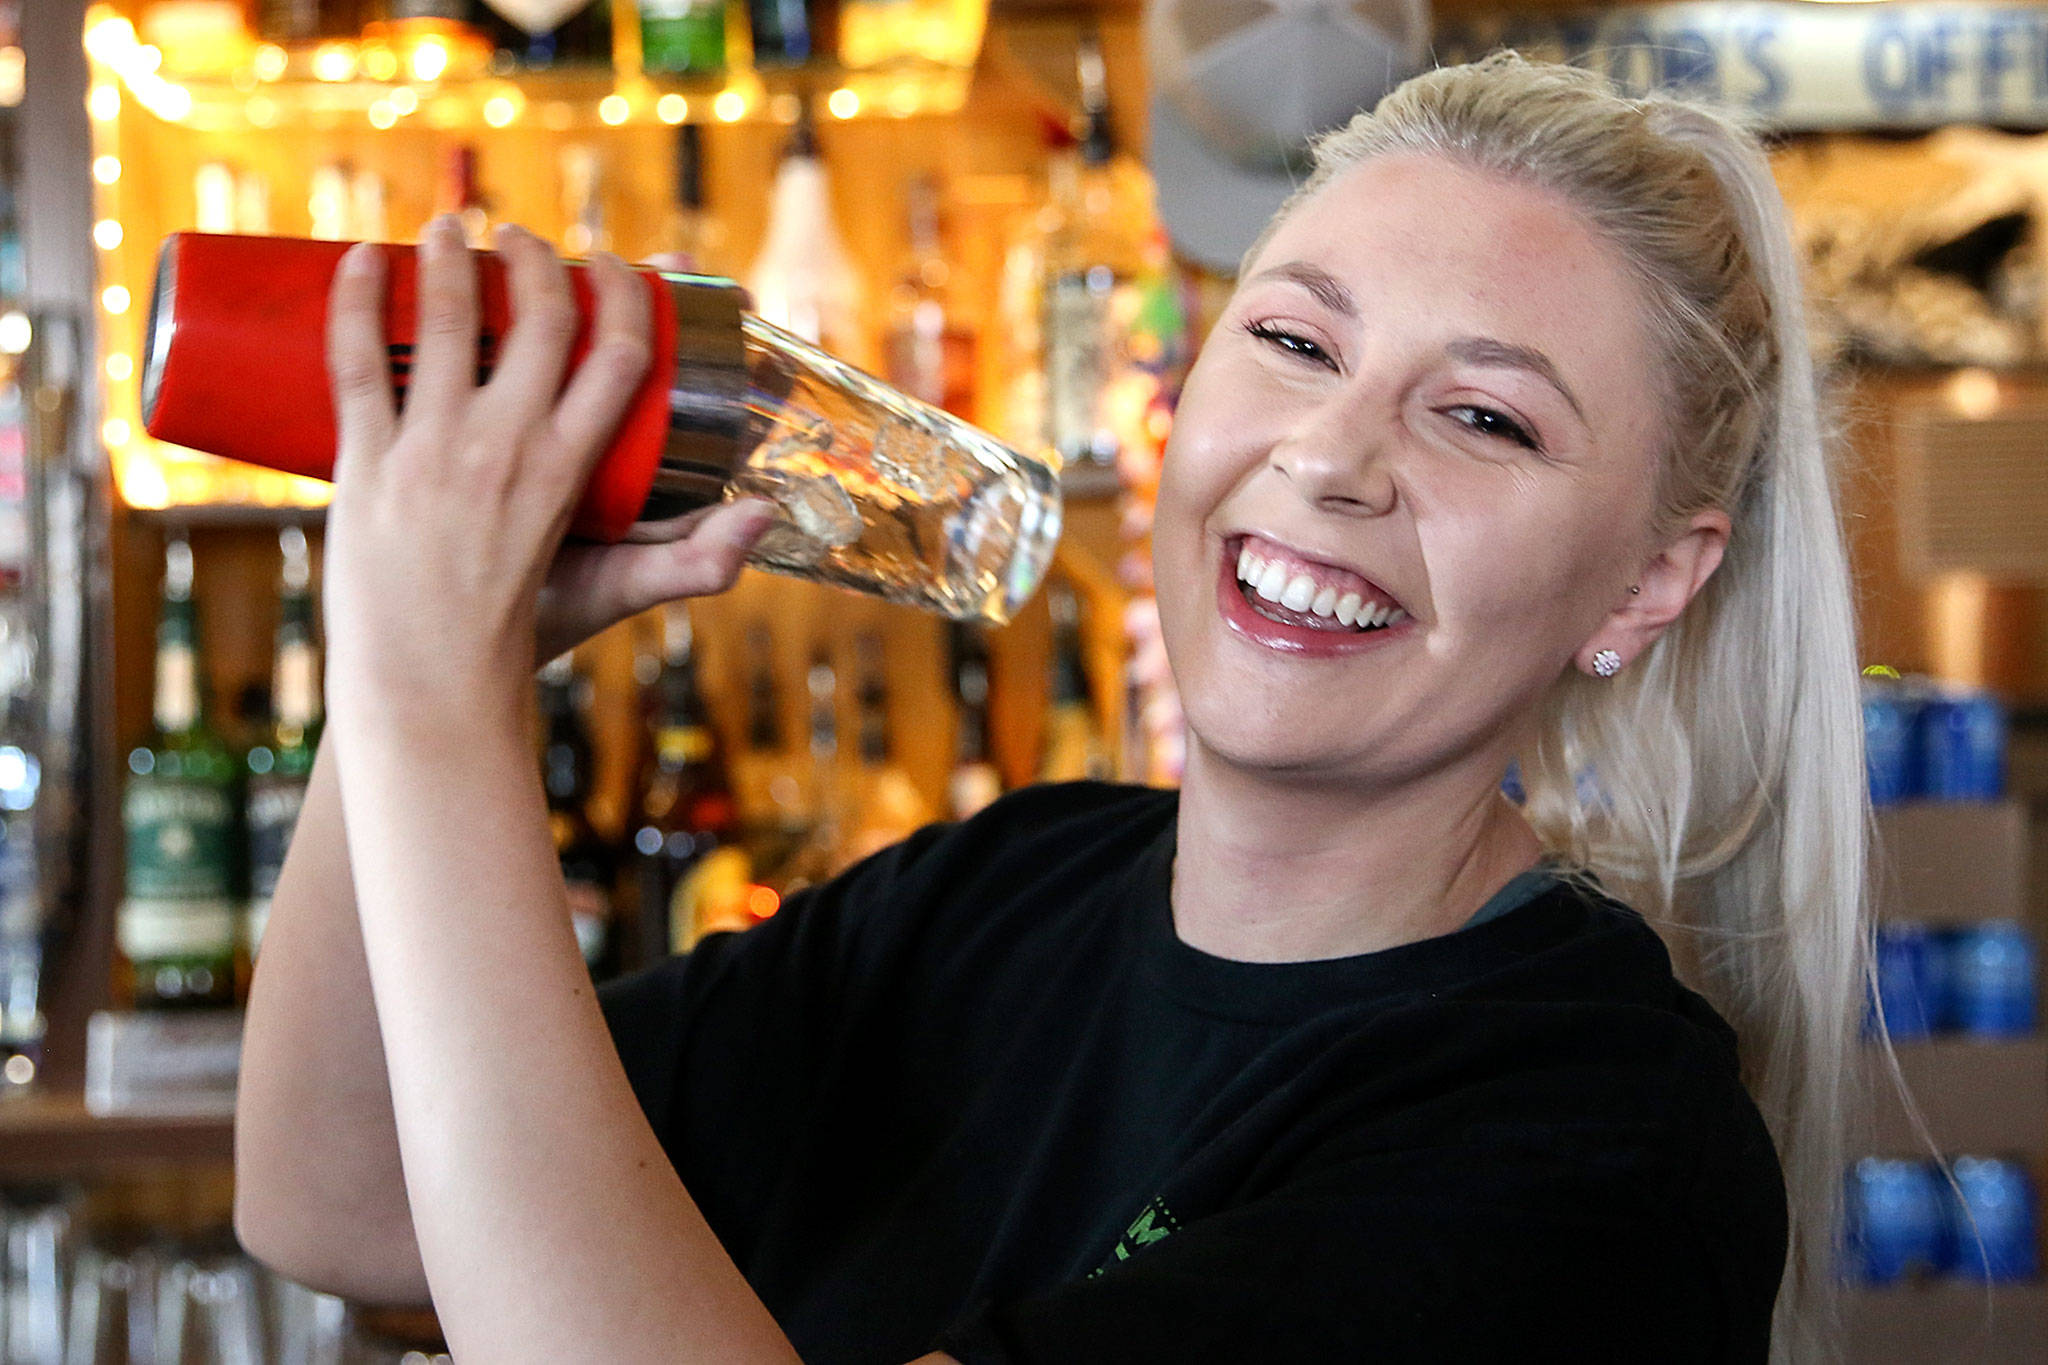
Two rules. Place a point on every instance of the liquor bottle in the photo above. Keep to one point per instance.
(327, 201)
(791, 32)
(821, 853)
(682, 37)
(583, 201)
(691, 229)
(928, 353)
(213, 197)
(769, 775)
(462, 196)
(294, 22)
(281, 764)
(686, 809)
(1074, 747)
(582, 39)
(889, 806)
(567, 760)
(804, 281)
(1094, 256)
(367, 219)
(975, 780)
(176, 926)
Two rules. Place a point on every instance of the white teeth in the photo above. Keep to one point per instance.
(1272, 581)
(1396, 616)
(1347, 608)
(1300, 591)
(1379, 614)
(1325, 603)
(1247, 565)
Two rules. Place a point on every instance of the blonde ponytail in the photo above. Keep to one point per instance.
(1728, 802)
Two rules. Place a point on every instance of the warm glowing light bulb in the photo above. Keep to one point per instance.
(613, 109)
(106, 234)
(261, 111)
(15, 332)
(404, 100)
(20, 1069)
(120, 366)
(671, 108)
(104, 102)
(729, 105)
(270, 62)
(843, 103)
(146, 59)
(382, 115)
(334, 62)
(106, 169)
(114, 298)
(429, 60)
(499, 110)
(115, 431)
(380, 63)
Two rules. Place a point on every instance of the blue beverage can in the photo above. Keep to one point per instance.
(1911, 982)
(1991, 980)
(1891, 745)
(1993, 1230)
(1962, 746)
(1896, 1220)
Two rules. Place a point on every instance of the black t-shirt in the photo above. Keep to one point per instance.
(976, 1095)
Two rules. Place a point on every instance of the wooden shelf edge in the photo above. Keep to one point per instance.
(54, 1136)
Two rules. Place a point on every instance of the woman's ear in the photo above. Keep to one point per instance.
(1661, 591)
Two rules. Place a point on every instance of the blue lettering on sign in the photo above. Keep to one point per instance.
(1688, 62)
(1936, 60)
(1756, 44)
(1997, 57)
(1888, 66)
(1631, 63)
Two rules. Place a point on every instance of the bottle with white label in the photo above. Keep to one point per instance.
(177, 923)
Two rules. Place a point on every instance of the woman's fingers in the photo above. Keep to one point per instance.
(444, 335)
(611, 372)
(591, 587)
(358, 366)
(544, 324)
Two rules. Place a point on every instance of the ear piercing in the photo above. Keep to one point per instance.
(1633, 589)
(1607, 663)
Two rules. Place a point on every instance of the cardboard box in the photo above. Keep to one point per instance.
(1945, 1322)
(1951, 862)
(1979, 1096)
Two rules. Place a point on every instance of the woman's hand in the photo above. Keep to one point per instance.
(446, 572)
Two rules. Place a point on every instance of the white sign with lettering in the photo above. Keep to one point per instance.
(1911, 65)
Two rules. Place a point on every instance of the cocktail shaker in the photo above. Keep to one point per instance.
(877, 491)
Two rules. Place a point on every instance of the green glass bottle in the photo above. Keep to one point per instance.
(282, 764)
(682, 37)
(177, 924)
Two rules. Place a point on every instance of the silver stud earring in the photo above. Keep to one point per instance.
(1607, 663)
(1633, 590)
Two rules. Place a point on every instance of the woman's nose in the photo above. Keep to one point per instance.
(1335, 459)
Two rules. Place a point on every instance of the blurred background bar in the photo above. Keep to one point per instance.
(981, 201)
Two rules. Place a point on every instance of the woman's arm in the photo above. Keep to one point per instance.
(319, 1195)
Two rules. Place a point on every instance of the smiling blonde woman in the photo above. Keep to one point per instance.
(1504, 449)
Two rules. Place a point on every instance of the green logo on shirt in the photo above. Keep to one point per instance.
(1155, 1224)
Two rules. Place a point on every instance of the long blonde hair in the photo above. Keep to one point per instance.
(1728, 802)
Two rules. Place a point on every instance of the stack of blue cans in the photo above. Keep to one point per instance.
(1977, 979)
(1905, 1221)
(1925, 741)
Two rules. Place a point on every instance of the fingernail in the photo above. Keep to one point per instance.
(361, 259)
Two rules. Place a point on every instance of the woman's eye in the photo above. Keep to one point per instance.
(1488, 422)
(1292, 343)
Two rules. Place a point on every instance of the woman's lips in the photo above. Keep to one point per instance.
(1308, 641)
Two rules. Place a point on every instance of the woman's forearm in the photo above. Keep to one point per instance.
(550, 1222)
(319, 1194)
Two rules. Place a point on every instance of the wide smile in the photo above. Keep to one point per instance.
(1291, 605)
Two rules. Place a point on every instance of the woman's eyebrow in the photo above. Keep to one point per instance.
(1326, 288)
(1490, 351)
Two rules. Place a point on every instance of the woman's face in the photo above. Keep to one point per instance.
(1432, 401)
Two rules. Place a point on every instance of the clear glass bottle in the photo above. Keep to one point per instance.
(928, 352)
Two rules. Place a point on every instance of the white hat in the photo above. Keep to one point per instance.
(1239, 87)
